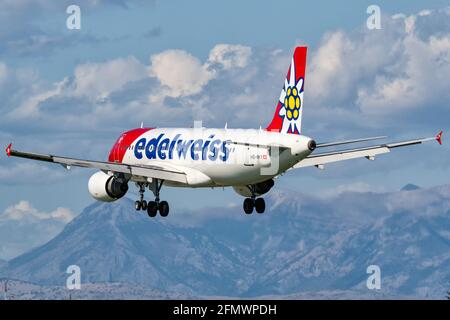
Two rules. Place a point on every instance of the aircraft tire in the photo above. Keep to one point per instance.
(137, 205)
(152, 209)
(248, 205)
(164, 208)
(260, 205)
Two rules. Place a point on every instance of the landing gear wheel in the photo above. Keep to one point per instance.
(260, 205)
(248, 205)
(137, 205)
(144, 205)
(152, 209)
(164, 208)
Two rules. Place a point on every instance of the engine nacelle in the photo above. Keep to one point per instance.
(260, 188)
(107, 188)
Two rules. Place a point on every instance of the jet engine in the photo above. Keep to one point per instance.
(260, 188)
(107, 188)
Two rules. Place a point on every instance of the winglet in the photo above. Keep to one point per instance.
(8, 150)
(439, 138)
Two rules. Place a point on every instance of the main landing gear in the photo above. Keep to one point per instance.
(254, 203)
(152, 207)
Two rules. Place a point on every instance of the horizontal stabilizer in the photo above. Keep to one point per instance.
(320, 159)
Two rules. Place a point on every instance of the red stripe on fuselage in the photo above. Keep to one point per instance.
(124, 142)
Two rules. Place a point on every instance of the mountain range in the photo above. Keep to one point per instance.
(302, 245)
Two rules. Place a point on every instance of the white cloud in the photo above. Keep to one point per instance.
(355, 80)
(184, 75)
(31, 172)
(230, 56)
(247, 98)
(23, 227)
(355, 187)
(404, 66)
(29, 108)
(423, 80)
(342, 64)
(98, 80)
(122, 92)
(421, 201)
(180, 72)
(328, 66)
(25, 211)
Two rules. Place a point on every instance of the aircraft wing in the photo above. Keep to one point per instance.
(320, 159)
(146, 171)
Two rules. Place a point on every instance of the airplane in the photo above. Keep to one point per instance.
(248, 160)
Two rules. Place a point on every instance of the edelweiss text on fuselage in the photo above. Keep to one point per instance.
(166, 148)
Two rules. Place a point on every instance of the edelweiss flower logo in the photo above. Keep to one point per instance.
(291, 99)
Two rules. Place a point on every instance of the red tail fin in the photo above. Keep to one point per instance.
(288, 113)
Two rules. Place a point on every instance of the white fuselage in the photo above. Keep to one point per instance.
(218, 157)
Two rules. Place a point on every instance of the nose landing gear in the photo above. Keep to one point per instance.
(141, 203)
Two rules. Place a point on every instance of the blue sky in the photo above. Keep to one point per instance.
(73, 92)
